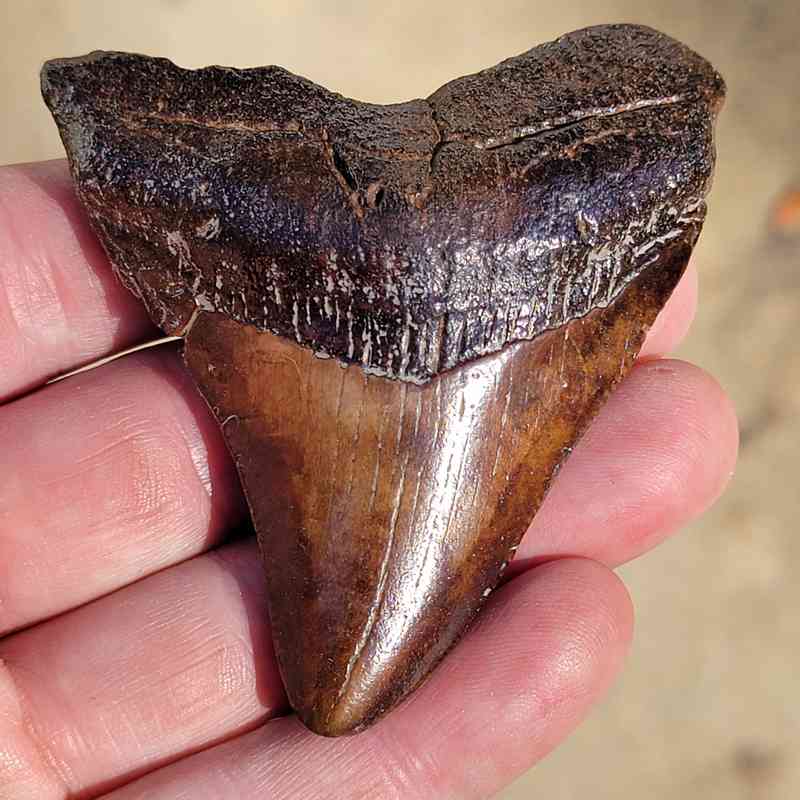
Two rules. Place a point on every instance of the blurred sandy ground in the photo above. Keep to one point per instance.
(709, 706)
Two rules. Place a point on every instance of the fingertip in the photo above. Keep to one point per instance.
(547, 646)
(583, 620)
(673, 323)
(660, 452)
(719, 429)
(620, 606)
(698, 432)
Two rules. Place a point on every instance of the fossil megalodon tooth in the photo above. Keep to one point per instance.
(403, 316)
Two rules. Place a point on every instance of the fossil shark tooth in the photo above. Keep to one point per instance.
(403, 316)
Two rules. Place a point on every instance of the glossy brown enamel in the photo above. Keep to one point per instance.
(386, 512)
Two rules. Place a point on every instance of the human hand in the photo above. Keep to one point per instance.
(141, 665)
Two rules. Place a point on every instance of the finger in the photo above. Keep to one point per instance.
(659, 453)
(675, 319)
(546, 648)
(161, 668)
(60, 304)
(107, 477)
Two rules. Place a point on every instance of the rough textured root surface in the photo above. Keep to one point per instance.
(408, 238)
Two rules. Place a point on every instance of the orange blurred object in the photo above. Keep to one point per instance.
(786, 212)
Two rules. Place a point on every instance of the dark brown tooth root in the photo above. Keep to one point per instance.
(486, 261)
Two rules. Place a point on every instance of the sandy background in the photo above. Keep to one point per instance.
(709, 705)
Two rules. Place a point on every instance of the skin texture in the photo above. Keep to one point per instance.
(141, 594)
(543, 230)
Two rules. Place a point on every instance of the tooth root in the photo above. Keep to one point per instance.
(387, 511)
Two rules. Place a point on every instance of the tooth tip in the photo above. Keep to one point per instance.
(339, 716)
(355, 699)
